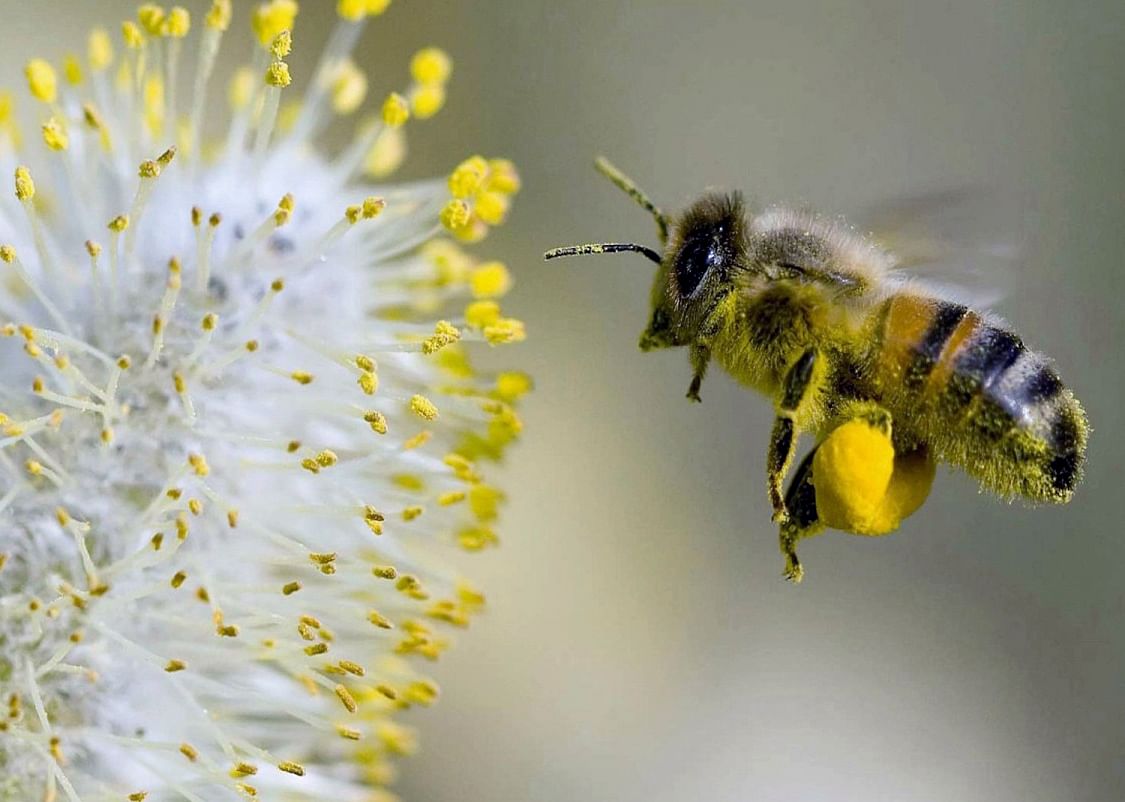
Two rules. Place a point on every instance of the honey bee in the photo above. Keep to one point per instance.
(824, 322)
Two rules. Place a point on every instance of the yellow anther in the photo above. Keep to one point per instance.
(427, 100)
(421, 692)
(119, 223)
(481, 314)
(376, 421)
(7, 253)
(491, 207)
(148, 169)
(445, 333)
(210, 320)
(349, 734)
(282, 45)
(37, 384)
(326, 458)
(511, 386)
(219, 15)
(25, 187)
(178, 579)
(226, 631)
(396, 110)
(485, 501)
(41, 80)
(151, 17)
(277, 285)
(423, 407)
(451, 497)
(198, 464)
(355, 10)
(346, 699)
(384, 571)
(315, 649)
(175, 665)
(214, 220)
(165, 158)
(99, 49)
(277, 74)
(387, 154)
(270, 19)
(289, 588)
(364, 362)
(505, 330)
(138, 796)
(178, 23)
(132, 35)
(368, 382)
(412, 512)
(503, 177)
(243, 769)
(72, 69)
(241, 88)
(348, 86)
(431, 65)
(301, 377)
(490, 280)
(232, 519)
(372, 207)
(468, 176)
(195, 506)
(289, 767)
(189, 751)
(455, 215)
(417, 441)
(179, 382)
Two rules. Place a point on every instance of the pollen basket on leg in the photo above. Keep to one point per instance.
(241, 432)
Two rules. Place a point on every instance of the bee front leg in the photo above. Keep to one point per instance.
(783, 438)
(803, 521)
(700, 357)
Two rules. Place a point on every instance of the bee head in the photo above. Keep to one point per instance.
(708, 240)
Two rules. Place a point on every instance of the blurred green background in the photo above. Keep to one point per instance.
(641, 645)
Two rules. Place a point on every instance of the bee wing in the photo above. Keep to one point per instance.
(960, 243)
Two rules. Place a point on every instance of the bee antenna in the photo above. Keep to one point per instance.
(602, 247)
(626, 185)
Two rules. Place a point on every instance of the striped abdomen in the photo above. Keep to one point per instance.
(984, 402)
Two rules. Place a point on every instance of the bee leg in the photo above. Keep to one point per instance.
(700, 357)
(783, 438)
(800, 500)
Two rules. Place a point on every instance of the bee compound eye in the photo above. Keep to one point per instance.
(695, 258)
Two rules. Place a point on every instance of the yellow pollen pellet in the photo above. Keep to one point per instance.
(41, 80)
(99, 49)
(431, 65)
(189, 751)
(277, 74)
(346, 699)
(455, 215)
(423, 407)
(396, 110)
(175, 665)
(301, 377)
(384, 571)
(219, 15)
(289, 767)
(25, 187)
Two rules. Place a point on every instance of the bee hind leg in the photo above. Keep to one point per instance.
(802, 521)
